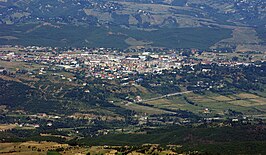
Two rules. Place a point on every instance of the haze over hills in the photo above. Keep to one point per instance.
(135, 23)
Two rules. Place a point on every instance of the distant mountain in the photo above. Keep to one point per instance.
(141, 13)
(132, 14)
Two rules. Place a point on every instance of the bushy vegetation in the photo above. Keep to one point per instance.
(215, 140)
(92, 36)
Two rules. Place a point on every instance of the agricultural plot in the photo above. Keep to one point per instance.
(19, 65)
(217, 104)
(4, 127)
(40, 148)
(140, 108)
(174, 103)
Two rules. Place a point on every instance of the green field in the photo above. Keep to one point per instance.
(246, 103)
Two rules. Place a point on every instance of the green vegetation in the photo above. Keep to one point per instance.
(195, 107)
(233, 91)
(201, 38)
(219, 140)
(179, 23)
(216, 140)
(53, 153)
(92, 36)
(251, 147)
(178, 135)
(66, 35)
(261, 33)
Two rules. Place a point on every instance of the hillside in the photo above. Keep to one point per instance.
(120, 18)
(141, 13)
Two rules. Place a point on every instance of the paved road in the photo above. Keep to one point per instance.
(167, 95)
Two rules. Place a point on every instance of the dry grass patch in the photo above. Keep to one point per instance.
(247, 96)
(8, 37)
(142, 109)
(99, 150)
(160, 101)
(142, 89)
(14, 65)
(258, 102)
(135, 153)
(244, 103)
(4, 127)
(202, 100)
(222, 98)
(38, 148)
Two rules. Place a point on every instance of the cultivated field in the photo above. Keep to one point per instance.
(4, 127)
(40, 148)
(247, 103)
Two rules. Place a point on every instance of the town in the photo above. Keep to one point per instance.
(113, 64)
(133, 91)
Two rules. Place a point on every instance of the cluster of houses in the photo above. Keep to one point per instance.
(110, 65)
(106, 64)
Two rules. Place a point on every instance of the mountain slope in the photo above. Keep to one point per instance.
(142, 13)
(128, 15)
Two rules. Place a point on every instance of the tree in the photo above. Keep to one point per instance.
(235, 58)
